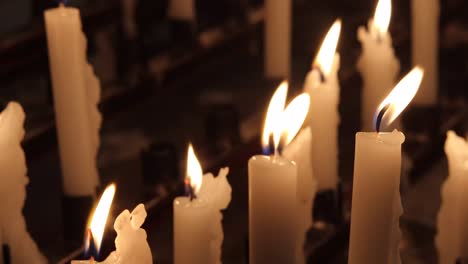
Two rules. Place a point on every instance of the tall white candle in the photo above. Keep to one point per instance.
(452, 235)
(376, 205)
(323, 87)
(76, 93)
(273, 196)
(278, 38)
(198, 231)
(377, 64)
(299, 151)
(13, 181)
(425, 47)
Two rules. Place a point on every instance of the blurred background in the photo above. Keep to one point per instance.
(167, 81)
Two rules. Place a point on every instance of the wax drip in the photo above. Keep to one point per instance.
(6, 254)
(321, 74)
(189, 191)
(378, 118)
(92, 251)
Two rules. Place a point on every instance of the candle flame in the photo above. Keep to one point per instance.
(326, 54)
(398, 99)
(294, 116)
(194, 174)
(382, 16)
(99, 217)
(282, 122)
(275, 110)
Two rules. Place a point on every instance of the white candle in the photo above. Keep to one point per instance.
(377, 64)
(97, 225)
(273, 196)
(13, 181)
(376, 205)
(198, 231)
(323, 87)
(278, 38)
(452, 235)
(76, 93)
(425, 47)
(299, 150)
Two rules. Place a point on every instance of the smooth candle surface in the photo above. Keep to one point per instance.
(13, 182)
(452, 235)
(76, 92)
(272, 210)
(324, 120)
(425, 47)
(198, 231)
(379, 69)
(299, 150)
(376, 205)
(278, 38)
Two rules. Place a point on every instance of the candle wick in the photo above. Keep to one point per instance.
(320, 72)
(378, 118)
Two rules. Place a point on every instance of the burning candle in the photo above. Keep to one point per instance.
(323, 87)
(452, 235)
(17, 244)
(97, 226)
(425, 47)
(273, 196)
(378, 65)
(278, 38)
(76, 93)
(299, 151)
(376, 205)
(198, 232)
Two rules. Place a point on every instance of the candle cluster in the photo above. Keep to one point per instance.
(282, 183)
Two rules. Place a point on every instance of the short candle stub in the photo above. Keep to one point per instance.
(378, 118)
(189, 190)
(319, 70)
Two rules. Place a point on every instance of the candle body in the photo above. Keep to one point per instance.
(425, 47)
(452, 236)
(376, 205)
(324, 120)
(272, 210)
(13, 175)
(277, 38)
(192, 231)
(379, 68)
(76, 93)
(198, 230)
(299, 151)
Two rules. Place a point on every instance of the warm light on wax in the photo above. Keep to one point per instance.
(392, 106)
(326, 54)
(99, 217)
(382, 16)
(194, 171)
(284, 122)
